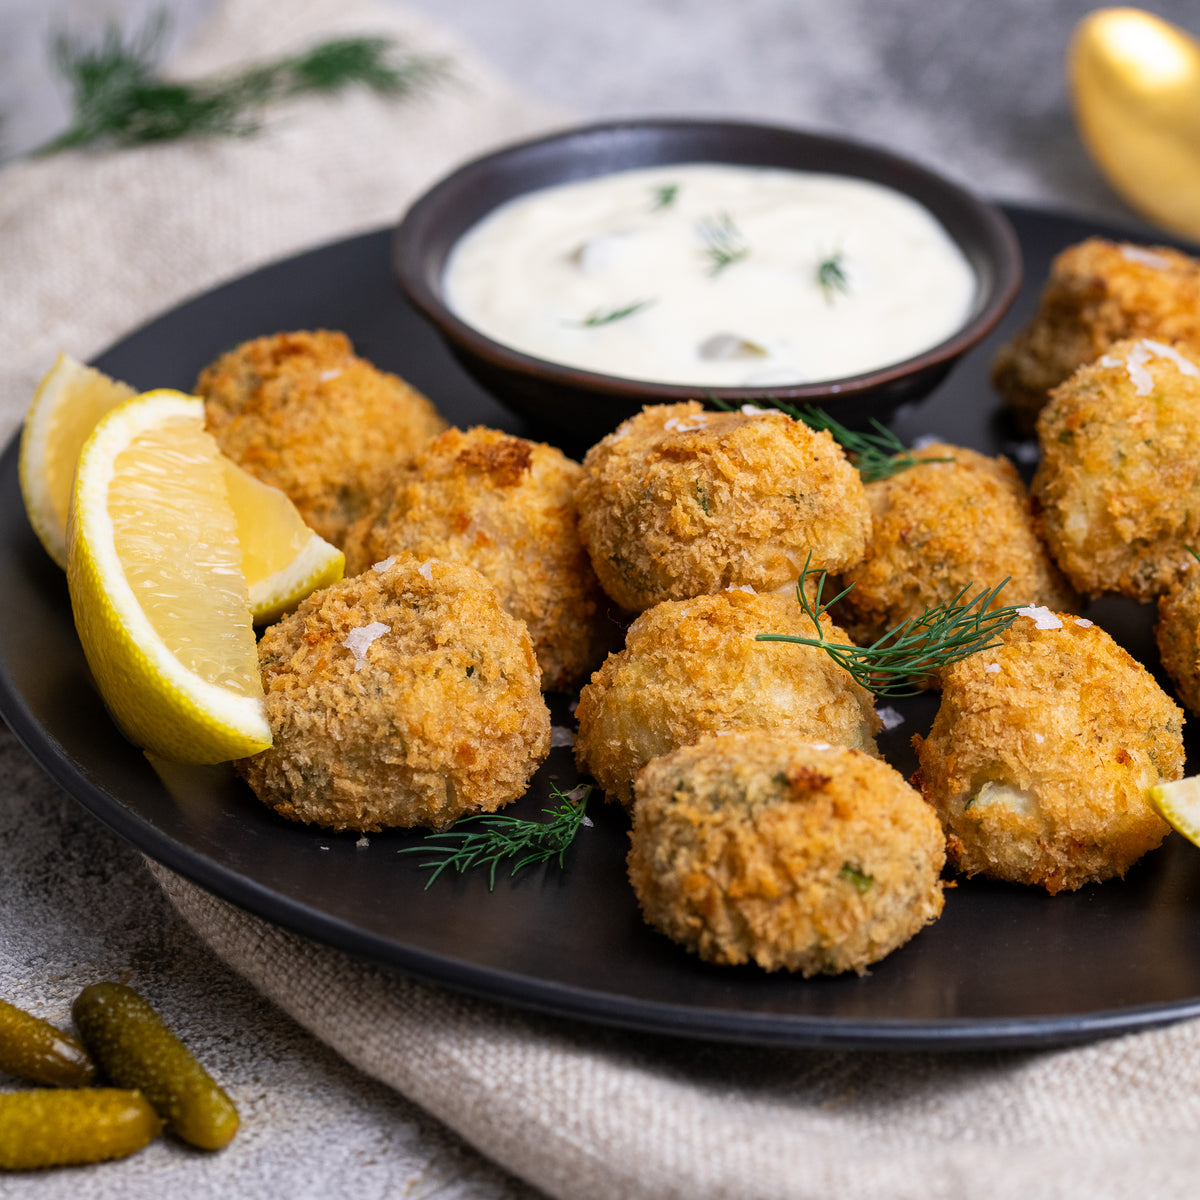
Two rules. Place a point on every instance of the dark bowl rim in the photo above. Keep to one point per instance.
(997, 241)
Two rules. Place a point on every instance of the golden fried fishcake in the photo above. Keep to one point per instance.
(1118, 486)
(1178, 635)
(758, 847)
(1042, 750)
(943, 526)
(691, 667)
(506, 506)
(679, 502)
(400, 697)
(1098, 293)
(302, 412)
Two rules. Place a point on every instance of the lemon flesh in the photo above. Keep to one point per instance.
(68, 402)
(1178, 804)
(154, 569)
(282, 559)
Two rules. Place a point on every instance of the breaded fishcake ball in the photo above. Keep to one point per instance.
(680, 502)
(943, 526)
(1118, 485)
(506, 506)
(1041, 753)
(691, 667)
(400, 697)
(761, 848)
(1098, 293)
(1178, 635)
(303, 413)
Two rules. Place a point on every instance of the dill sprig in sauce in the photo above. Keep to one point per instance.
(723, 242)
(831, 276)
(501, 838)
(938, 637)
(664, 196)
(119, 99)
(603, 316)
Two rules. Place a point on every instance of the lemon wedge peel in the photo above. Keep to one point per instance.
(1178, 804)
(66, 405)
(162, 705)
(283, 560)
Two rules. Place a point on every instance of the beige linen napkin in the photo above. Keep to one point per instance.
(92, 245)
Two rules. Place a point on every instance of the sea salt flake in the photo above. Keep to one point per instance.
(425, 570)
(679, 424)
(588, 822)
(326, 376)
(357, 641)
(741, 587)
(578, 792)
(383, 564)
(925, 440)
(1139, 254)
(1084, 622)
(1037, 737)
(1142, 352)
(992, 668)
(821, 746)
(889, 716)
(560, 735)
(1023, 452)
(362, 843)
(1042, 617)
(753, 410)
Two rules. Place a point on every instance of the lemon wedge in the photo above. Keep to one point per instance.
(1178, 804)
(282, 559)
(155, 576)
(68, 402)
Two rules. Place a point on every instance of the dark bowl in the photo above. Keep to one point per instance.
(585, 405)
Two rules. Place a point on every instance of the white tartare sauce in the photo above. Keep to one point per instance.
(712, 274)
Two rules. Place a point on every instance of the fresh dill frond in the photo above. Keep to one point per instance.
(118, 99)
(831, 276)
(603, 316)
(664, 196)
(723, 242)
(501, 838)
(857, 876)
(940, 636)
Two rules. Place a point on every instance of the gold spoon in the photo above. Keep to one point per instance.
(1135, 89)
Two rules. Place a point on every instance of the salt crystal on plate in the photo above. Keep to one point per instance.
(560, 735)
(889, 716)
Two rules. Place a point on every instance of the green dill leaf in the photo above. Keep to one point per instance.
(500, 838)
(118, 99)
(938, 637)
(664, 196)
(723, 242)
(603, 316)
(855, 875)
(701, 496)
(831, 276)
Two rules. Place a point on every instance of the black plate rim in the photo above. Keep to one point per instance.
(550, 998)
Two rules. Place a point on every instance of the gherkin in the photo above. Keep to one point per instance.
(34, 1049)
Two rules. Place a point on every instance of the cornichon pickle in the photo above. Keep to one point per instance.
(135, 1049)
(58, 1127)
(34, 1049)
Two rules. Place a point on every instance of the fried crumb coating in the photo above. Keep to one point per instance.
(1041, 753)
(761, 848)
(1118, 486)
(302, 412)
(943, 526)
(680, 502)
(400, 697)
(1178, 634)
(506, 506)
(691, 667)
(1098, 293)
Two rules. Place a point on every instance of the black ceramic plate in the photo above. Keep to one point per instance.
(1003, 966)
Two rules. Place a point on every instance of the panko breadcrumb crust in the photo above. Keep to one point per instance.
(1098, 292)
(1041, 753)
(943, 526)
(506, 507)
(1178, 635)
(1117, 490)
(443, 718)
(757, 847)
(691, 667)
(680, 502)
(302, 412)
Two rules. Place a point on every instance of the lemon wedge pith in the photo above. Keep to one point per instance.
(154, 571)
(68, 402)
(1178, 803)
